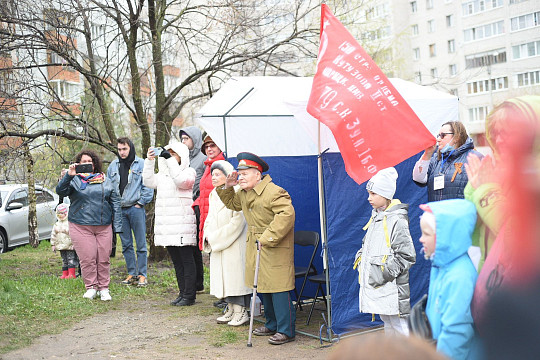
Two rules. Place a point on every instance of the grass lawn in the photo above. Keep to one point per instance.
(34, 301)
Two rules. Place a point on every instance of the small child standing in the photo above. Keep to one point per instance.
(386, 255)
(60, 240)
(447, 228)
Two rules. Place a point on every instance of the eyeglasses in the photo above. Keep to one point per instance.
(210, 145)
(442, 135)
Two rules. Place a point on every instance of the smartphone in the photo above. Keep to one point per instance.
(83, 168)
(157, 151)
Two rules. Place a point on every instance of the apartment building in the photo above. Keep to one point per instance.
(483, 51)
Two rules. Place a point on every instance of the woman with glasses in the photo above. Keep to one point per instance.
(442, 166)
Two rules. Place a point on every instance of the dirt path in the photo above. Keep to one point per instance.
(153, 330)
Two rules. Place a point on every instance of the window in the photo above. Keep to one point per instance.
(432, 50)
(21, 197)
(431, 26)
(478, 113)
(429, 4)
(415, 29)
(377, 34)
(65, 91)
(414, 7)
(496, 3)
(528, 78)
(7, 85)
(418, 77)
(449, 20)
(97, 31)
(497, 56)
(526, 50)
(434, 73)
(484, 31)
(416, 53)
(451, 46)
(377, 11)
(483, 86)
(525, 21)
(452, 69)
(57, 59)
(43, 196)
(454, 92)
(473, 7)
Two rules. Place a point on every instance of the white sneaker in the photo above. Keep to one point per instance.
(228, 316)
(240, 316)
(90, 294)
(105, 295)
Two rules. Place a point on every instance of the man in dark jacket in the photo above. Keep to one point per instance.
(125, 172)
(191, 136)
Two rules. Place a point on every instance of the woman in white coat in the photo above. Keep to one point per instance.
(175, 226)
(225, 239)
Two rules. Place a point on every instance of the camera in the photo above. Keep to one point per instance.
(84, 168)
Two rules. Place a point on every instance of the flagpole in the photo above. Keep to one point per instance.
(322, 219)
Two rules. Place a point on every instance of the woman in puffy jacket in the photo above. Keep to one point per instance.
(94, 211)
(225, 240)
(175, 225)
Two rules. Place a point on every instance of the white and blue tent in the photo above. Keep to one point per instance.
(267, 116)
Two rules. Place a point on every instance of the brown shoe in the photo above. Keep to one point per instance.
(263, 331)
(279, 339)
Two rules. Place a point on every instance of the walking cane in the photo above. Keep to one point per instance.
(255, 280)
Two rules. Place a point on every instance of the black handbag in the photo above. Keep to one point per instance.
(418, 320)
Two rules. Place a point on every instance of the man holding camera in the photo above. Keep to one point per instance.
(126, 175)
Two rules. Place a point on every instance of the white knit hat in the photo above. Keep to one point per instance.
(384, 183)
(225, 167)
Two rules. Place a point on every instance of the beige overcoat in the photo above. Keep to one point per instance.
(270, 218)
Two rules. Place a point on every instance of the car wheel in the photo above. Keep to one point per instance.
(3, 242)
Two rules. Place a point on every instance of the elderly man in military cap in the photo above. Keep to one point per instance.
(270, 217)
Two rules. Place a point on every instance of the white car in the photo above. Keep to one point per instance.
(14, 214)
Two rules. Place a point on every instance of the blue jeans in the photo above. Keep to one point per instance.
(134, 219)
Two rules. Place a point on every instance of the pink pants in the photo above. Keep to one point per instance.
(93, 244)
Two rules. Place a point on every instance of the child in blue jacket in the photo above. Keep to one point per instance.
(447, 228)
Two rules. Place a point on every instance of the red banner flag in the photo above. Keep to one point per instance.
(373, 125)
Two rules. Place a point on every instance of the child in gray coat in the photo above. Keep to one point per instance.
(386, 255)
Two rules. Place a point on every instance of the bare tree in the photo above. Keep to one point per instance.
(90, 70)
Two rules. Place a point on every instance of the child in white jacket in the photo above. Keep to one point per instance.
(386, 255)
(61, 241)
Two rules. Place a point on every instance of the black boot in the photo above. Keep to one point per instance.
(177, 300)
(185, 302)
(220, 304)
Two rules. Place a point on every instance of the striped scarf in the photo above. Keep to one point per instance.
(89, 178)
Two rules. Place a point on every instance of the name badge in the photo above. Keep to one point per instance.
(438, 182)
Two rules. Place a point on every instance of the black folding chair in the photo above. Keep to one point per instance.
(320, 280)
(305, 238)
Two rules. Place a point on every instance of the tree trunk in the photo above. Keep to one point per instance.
(33, 234)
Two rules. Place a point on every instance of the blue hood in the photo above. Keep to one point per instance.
(455, 221)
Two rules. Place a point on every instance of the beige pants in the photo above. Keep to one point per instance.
(395, 325)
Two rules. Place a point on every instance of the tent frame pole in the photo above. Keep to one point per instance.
(227, 113)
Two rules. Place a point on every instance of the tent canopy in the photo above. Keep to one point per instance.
(270, 117)
(267, 116)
